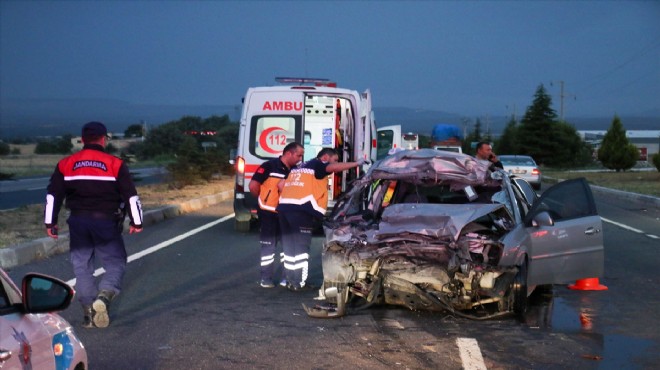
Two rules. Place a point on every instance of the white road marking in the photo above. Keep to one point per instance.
(162, 245)
(470, 354)
(623, 226)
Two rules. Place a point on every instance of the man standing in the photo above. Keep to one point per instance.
(304, 198)
(485, 155)
(264, 186)
(99, 192)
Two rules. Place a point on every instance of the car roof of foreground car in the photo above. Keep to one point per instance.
(429, 165)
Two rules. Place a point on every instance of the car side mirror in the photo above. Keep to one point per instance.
(543, 219)
(42, 293)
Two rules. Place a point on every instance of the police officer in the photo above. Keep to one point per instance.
(304, 198)
(99, 192)
(264, 186)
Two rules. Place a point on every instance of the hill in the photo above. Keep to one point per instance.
(51, 117)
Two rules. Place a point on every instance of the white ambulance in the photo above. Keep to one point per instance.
(313, 112)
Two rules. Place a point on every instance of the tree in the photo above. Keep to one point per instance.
(535, 133)
(4, 148)
(508, 142)
(60, 145)
(656, 161)
(473, 136)
(616, 152)
(549, 141)
(136, 130)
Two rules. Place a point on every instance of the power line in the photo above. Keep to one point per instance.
(646, 49)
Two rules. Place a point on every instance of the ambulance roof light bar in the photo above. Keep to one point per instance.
(305, 80)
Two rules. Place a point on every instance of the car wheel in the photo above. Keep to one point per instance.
(242, 226)
(519, 290)
(536, 186)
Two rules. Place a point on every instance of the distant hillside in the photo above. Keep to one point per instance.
(49, 117)
(30, 117)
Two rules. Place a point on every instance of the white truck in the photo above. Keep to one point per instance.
(313, 112)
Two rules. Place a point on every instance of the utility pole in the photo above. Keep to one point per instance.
(561, 99)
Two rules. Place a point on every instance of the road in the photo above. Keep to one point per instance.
(192, 301)
(32, 190)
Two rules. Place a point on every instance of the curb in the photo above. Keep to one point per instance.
(25, 253)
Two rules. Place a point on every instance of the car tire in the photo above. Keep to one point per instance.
(536, 186)
(242, 226)
(519, 290)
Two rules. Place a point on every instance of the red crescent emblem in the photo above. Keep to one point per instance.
(264, 143)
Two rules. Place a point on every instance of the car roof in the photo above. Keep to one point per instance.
(429, 165)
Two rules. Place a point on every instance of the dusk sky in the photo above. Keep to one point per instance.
(470, 58)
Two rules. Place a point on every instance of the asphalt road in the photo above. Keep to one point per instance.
(32, 190)
(194, 303)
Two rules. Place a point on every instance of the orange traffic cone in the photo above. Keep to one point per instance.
(587, 284)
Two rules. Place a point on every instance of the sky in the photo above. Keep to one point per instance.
(469, 58)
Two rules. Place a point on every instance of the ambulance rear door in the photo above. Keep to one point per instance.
(272, 118)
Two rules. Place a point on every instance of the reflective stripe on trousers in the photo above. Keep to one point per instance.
(296, 229)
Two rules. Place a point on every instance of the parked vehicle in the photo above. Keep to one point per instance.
(445, 136)
(436, 230)
(31, 335)
(390, 137)
(524, 167)
(410, 141)
(313, 112)
(449, 148)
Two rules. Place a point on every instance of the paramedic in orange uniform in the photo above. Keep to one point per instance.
(304, 198)
(264, 187)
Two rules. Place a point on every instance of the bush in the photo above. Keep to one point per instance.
(4, 148)
(656, 161)
(616, 152)
(55, 146)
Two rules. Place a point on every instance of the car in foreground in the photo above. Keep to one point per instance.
(32, 336)
(436, 230)
(522, 166)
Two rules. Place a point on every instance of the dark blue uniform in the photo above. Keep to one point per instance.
(269, 174)
(99, 191)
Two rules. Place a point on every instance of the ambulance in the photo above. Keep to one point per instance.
(313, 112)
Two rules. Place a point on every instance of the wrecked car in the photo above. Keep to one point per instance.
(437, 230)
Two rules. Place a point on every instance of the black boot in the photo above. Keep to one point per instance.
(101, 307)
(88, 317)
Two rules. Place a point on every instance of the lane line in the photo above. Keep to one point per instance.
(623, 226)
(162, 245)
(470, 354)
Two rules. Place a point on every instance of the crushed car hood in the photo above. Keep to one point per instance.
(438, 221)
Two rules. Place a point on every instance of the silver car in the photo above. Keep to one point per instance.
(522, 166)
(436, 230)
(32, 336)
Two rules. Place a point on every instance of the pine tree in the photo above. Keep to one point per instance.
(616, 152)
(535, 133)
(508, 142)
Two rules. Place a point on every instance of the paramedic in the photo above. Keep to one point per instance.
(264, 187)
(304, 198)
(485, 155)
(99, 191)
